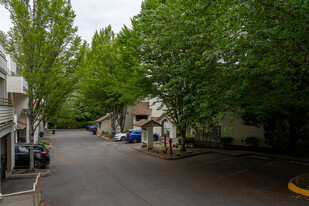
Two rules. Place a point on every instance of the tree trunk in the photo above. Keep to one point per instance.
(113, 122)
(31, 141)
(122, 119)
(183, 139)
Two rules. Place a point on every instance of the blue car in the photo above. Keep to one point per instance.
(94, 125)
(136, 136)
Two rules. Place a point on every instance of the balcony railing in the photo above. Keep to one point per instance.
(17, 84)
(4, 101)
(6, 113)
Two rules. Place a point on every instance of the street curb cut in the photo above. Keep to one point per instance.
(32, 175)
(171, 158)
(297, 189)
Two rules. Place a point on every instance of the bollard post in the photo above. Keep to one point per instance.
(164, 140)
(170, 141)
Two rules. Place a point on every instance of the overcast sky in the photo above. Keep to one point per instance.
(92, 15)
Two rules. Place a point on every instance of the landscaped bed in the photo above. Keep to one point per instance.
(302, 181)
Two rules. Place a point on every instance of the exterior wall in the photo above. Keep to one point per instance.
(129, 120)
(240, 131)
(17, 84)
(167, 127)
(11, 64)
(157, 111)
(2, 88)
(36, 133)
(105, 126)
(20, 102)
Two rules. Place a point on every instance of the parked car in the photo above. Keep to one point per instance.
(93, 125)
(121, 136)
(22, 156)
(136, 136)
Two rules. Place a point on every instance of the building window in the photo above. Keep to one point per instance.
(140, 117)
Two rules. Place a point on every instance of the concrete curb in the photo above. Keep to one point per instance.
(171, 158)
(103, 136)
(297, 189)
(31, 175)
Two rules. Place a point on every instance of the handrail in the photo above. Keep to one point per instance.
(17, 193)
(36, 191)
(5, 101)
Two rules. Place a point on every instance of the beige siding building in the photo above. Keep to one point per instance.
(6, 119)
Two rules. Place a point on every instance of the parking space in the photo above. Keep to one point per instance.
(90, 170)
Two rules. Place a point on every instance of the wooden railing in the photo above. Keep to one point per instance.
(36, 192)
(5, 101)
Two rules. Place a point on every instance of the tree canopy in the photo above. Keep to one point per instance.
(44, 43)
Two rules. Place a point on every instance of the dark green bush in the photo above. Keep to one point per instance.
(189, 140)
(252, 141)
(226, 140)
(71, 124)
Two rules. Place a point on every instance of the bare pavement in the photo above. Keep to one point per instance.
(89, 170)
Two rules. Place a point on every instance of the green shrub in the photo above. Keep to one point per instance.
(226, 140)
(188, 140)
(65, 124)
(252, 141)
(177, 145)
(164, 150)
(178, 154)
(44, 143)
(188, 152)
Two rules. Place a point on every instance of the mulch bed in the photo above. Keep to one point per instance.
(176, 152)
(302, 181)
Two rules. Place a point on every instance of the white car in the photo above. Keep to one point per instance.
(120, 137)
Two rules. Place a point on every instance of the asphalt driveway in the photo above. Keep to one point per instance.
(89, 170)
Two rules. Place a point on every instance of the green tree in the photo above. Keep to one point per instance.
(44, 43)
(3, 38)
(100, 74)
(264, 46)
(179, 55)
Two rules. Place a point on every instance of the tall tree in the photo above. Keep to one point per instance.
(264, 46)
(3, 37)
(100, 70)
(43, 41)
(178, 52)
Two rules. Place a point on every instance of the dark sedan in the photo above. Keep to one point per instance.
(22, 156)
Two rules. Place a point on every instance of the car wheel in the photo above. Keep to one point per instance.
(37, 164)
(134, 140)
(123, 138)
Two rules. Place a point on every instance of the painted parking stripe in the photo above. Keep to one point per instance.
(212, 162)
(267, 165)
(235, 173)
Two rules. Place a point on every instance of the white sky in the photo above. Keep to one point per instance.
(92, 15)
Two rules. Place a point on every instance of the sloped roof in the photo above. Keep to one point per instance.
(141, 108)
(165, 116)
(154, 118)
(103, 118)
(20, 125)
(146, 123)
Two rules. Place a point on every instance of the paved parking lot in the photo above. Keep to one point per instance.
(89, 170)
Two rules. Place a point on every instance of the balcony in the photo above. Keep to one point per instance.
(6, 113)
(17, 84)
